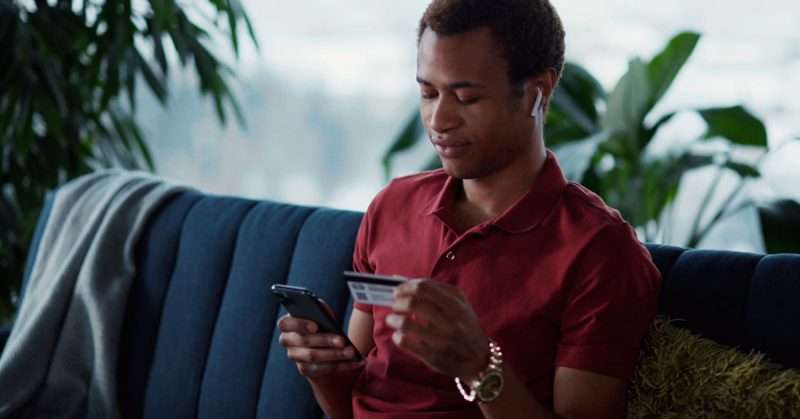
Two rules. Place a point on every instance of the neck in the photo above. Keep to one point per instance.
(493, 194)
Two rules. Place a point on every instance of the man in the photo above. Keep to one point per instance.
(537, 294)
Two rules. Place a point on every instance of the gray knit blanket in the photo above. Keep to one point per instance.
(61, 358)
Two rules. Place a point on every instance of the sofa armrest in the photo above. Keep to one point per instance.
(5, 332)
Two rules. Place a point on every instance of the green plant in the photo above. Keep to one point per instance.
(68, 95)
(603, 140)
(780, 224)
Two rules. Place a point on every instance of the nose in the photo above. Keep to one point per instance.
(443, 115)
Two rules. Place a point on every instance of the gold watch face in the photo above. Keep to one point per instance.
(490, 387)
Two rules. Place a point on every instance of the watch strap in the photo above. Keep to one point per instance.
(495, 365)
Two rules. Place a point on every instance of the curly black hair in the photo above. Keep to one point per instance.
(529, 32)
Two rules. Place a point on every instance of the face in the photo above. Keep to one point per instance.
(477, 123)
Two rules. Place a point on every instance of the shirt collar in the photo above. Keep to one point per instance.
(527, 212)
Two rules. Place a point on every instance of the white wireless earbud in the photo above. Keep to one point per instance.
(537, 103)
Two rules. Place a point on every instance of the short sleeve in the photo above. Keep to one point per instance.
(361, 254)
(610, 302)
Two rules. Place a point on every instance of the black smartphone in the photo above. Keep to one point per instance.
(303, 303)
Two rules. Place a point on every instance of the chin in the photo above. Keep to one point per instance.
(459, 171)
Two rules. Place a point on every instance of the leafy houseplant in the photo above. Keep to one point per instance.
(602, 140)
(68, 95)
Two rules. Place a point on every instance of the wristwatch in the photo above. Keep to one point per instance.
(489, 383)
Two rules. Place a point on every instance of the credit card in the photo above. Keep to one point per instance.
(372, 289)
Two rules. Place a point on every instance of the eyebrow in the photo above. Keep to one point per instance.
(463, 84)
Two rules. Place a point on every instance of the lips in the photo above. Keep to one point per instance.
(450, 148)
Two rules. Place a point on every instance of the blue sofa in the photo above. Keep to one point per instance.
(200, 338)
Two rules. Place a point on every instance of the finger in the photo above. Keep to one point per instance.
(411, 343)
(428, 338)
(320, 369)
(288, 323)
(317, 340)
(422, 350)
(443, 290)
(430, 353)
(410, 295)
(438, 294)
(407, 304)
(429, 286)
(314, 355)
(327, 308)
(422, 316)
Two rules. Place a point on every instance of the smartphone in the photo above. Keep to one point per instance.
(303, 303)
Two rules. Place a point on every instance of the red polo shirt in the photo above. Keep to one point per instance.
(559, 279)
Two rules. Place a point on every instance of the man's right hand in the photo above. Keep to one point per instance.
(316, 354)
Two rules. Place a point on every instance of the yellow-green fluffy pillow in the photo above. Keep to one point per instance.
(681, 375)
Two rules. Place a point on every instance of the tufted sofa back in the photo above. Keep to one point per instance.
(199, 338)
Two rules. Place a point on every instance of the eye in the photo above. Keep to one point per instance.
(469, 100)
(427, 94)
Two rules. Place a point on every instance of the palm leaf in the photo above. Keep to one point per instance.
(736, 124)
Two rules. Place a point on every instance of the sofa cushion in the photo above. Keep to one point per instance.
(709, 291)
(155, 254)
(324, 247)
(773, 311)
(742, 300)
(199, 338)
(681, 375)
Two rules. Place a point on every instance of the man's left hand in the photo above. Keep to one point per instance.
(434, 322)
